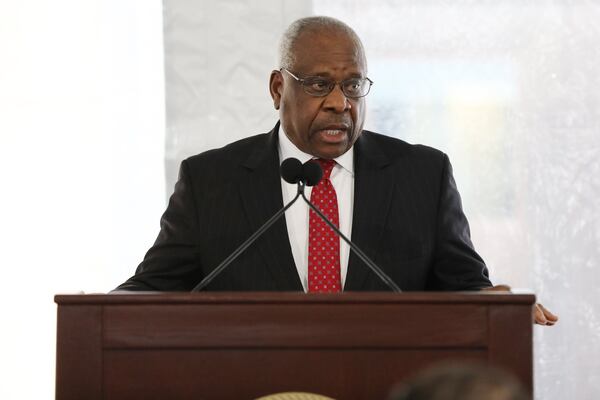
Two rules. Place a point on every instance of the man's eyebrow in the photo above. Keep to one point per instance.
(328, 75)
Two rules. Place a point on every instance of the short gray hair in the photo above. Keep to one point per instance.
(311, 24)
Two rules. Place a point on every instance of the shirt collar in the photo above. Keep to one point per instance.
(288, 149)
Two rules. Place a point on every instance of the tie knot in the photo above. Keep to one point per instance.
(326, 166)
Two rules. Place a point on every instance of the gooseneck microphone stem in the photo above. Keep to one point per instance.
(309, 174)
(382, 275)
(225, 263)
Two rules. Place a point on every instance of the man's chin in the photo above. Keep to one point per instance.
(330, 152)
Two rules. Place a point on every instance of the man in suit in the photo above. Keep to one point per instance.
(398, 202)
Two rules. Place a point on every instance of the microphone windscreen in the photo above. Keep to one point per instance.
(291, 170)
(311, 173)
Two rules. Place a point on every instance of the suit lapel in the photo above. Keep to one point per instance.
(373, 188)
(262, 197)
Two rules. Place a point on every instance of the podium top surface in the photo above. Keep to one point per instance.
(295, 297)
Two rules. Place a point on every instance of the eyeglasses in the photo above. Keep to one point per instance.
(321, 86)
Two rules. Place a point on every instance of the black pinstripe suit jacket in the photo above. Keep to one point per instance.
(407, 217)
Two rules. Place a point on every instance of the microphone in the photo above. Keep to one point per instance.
(292, 171)
(313, 173)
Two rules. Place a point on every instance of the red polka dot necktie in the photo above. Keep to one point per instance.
(323, 243)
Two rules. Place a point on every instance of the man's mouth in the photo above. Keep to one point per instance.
(334, 132)
(333, 135)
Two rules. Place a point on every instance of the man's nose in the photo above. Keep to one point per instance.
(337, 101)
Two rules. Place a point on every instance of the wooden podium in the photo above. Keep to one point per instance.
(247, 345)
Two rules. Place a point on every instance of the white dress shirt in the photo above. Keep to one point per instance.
(297, 217)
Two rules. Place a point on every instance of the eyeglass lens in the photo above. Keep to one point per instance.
(318, 86)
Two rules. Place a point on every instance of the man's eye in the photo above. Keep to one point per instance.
(318, 84)
(353, 85)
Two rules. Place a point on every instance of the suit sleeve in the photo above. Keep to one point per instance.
(456, 266)
(172, 263)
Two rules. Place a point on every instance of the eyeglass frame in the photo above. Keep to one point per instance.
(335, 83)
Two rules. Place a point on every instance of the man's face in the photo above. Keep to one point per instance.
(328, 126)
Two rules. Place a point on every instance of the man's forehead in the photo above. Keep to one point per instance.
(345, 72)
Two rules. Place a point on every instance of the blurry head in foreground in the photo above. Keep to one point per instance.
(461, 382)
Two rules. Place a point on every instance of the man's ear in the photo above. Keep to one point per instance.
(276, 87)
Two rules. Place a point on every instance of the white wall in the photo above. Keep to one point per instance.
(81, 164)
(218, 58)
